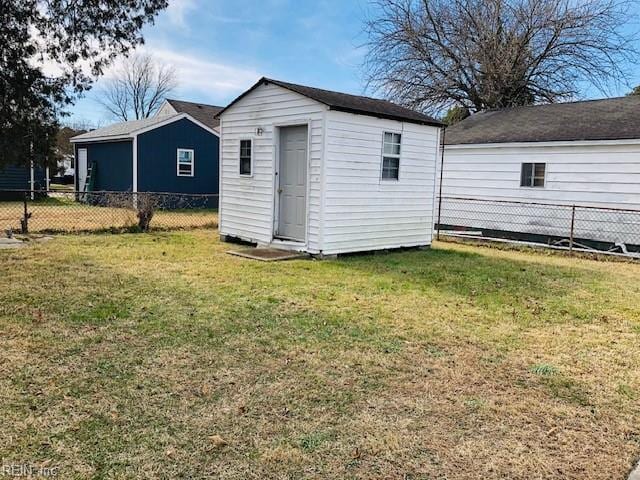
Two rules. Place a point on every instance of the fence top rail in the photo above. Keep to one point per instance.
(104, 192)
(520, 202)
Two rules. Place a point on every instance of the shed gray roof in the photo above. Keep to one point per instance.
(200, 111)
(349, 103)
(122, 129)
(606, 119)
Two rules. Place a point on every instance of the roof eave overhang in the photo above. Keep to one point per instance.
(262, 80)
(265, 81)
(135, 133)
(386, 117)
(101, 139)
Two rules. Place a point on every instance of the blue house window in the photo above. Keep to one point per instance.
(185, 162)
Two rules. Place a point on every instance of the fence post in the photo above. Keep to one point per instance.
(438, 227)
(573, 224)
(442, 139)
(24, 223)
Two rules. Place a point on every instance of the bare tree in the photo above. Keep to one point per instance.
(635, 91)
(481, 54)
(138, 88)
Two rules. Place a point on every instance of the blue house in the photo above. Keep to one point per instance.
(21, 177)
(176, 151)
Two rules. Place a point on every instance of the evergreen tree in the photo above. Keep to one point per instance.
(50, 53)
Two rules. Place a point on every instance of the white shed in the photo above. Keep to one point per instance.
(325, 172)
(504, 170)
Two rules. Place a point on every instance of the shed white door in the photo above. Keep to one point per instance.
(292, 191)
(81, 168)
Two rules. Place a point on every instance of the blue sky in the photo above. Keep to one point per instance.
(221, 47)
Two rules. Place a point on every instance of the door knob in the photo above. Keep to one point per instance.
(279, 190)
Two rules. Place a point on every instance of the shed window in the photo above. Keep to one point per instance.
(391, 156)
(185, 162)
(532, 174)
(245, 157)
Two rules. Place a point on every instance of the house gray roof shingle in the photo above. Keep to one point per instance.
(122, 129)
(202, 112)
(606, 119)
(345, 102)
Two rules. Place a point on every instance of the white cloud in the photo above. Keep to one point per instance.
(200, 79)
(206, 76)
(196, 72)
(197, 75)
(177, 11)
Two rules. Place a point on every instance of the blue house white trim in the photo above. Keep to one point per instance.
(117, 146)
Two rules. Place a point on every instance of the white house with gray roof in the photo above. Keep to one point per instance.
(581, 153)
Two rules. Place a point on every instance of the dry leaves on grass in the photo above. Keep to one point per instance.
(434, 364)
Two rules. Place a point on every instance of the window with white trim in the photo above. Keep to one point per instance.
(185, 162)
(391, 156)
(246, 151)
(532, 174)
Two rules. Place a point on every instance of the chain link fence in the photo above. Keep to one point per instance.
(24, 211)
(571, 227)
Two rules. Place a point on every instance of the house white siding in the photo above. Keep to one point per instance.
(247, 203)
(597, 174)
(166, 109)
(364, 212)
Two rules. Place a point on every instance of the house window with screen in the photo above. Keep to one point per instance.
(391, 156)
(532, 174)
(185, 162)
(245, 157)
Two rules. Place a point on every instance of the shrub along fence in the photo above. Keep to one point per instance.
(24, 211)
(571, 227)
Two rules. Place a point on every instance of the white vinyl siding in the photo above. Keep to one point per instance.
(247, 204)
(364, 212)
(597, 175)
(166, 109)
(589, 174)
(350, 207)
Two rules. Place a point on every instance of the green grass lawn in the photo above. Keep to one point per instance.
(159, 356)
